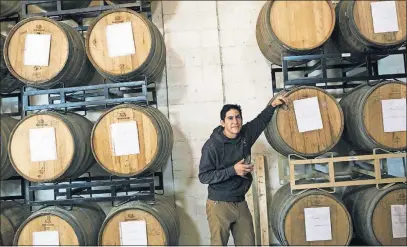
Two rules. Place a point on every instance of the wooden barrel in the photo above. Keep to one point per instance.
(12, 214)
(148, 59)
(68, 63)
(6, 126)
(293, 28)
(288, 217)
(354, 31)
(162, 223)
(371, 211)
(8, 83)
(8, 8)
(284, 135)
(65, 151)
(364, 126)
(79, 226)
(150, 134)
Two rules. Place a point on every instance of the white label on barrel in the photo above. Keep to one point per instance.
(133, 233)
(345, 54)
(308, 114)
(398, 221)
(317, 224)
(36, 50)
(50, 238)
(124, 138)
(42, 144)
(384, 16)
(394, 115)
(120, 40)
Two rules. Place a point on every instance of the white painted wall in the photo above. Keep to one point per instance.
(212, 59)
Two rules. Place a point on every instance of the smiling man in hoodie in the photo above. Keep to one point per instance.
(222, 167)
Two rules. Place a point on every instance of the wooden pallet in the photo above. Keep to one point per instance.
(376, 174)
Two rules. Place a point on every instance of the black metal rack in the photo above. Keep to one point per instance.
(23, 185)
(87, 188)
(11, 18)
(16, 95)
(321, 63)
(93, 97)
(60, 13)
(83, 99)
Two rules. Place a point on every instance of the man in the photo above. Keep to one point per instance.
(222, 167)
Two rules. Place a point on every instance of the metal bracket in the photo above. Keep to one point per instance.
(324, 62)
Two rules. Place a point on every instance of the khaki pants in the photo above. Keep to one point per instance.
(224, 217)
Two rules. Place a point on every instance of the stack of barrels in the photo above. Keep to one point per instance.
(127, 140)
(290, 28)
(374, 217)
(357, 119)
(77, 144)
(72, 61)
(299, 28)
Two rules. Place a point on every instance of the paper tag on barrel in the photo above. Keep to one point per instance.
(36, 50)
(307, 114)
(124, 138)
(120, 41)
(42, 144)
(384, 16)
(394, 115)
(133, 233)
(317, 224)
(398, 221)
(49, 238)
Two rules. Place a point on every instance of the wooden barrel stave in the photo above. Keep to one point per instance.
(8, 8)
(80, 225)
(150, 66)
(349, 37)
(361, 106)
(282, 132)
(7, 125)
(268, 43)
(3, 67)
(162, 212)
(63, 66)
(12, 214)
(287, 214)
(371, 212)
(156, 71)
(273, 48)
(8, 83)
(152, 155)
(165, 143)
(74, 157)
(83, 159)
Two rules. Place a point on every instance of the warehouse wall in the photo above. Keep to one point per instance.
(212, 59)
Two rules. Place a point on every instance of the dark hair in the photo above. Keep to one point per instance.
(227, 108)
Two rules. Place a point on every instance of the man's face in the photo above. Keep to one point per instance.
(232, 123)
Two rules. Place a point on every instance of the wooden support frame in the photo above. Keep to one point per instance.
(257, 202)
(332, 183)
